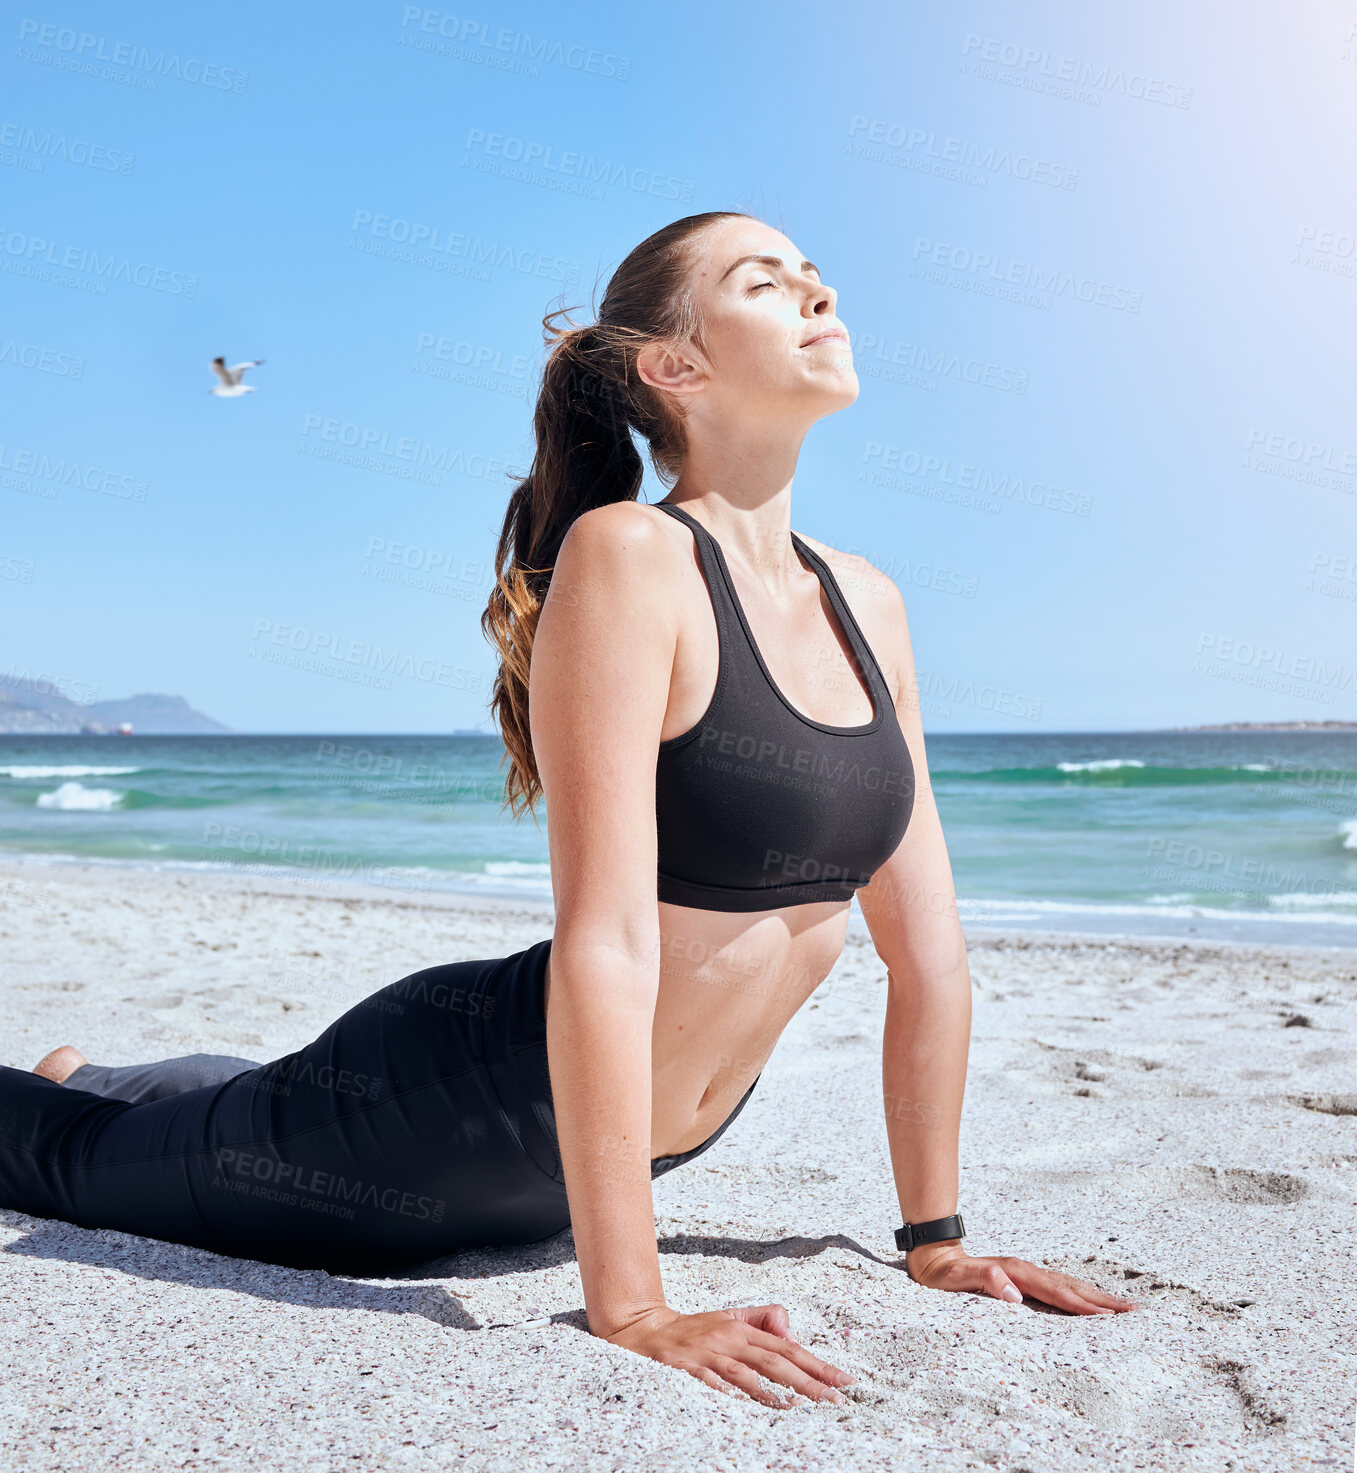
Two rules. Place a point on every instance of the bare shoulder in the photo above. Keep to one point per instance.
(602, 653)
(616, 554)
(620, 528)
(599, 676)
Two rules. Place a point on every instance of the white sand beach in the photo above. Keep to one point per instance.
(1175, 1121)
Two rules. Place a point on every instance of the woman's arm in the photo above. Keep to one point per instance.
(911, 911)
(599, 683)
(599, 688)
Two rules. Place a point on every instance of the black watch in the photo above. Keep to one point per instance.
(913, 1234)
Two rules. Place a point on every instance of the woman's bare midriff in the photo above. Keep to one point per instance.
(729, 984)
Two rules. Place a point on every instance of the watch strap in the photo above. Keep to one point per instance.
(915, 1234)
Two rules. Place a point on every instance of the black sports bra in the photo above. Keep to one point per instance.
(758, 806)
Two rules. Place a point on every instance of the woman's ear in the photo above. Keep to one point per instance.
(673, 370)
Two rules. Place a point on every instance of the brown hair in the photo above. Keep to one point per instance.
(590, 400)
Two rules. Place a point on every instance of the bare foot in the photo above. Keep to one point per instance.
(60, 1064)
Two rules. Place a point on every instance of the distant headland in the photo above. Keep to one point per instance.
(34, 706)
(1273, 726)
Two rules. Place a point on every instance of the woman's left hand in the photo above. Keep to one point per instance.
(947, 1266)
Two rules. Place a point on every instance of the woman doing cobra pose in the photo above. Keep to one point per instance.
(730, 749)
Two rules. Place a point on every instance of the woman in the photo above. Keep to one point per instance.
(730, 751)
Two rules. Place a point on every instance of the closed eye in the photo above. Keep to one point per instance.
(761, 284)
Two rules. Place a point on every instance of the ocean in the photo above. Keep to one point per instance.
(1213, 835)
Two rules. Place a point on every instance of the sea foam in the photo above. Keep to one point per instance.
(22, 772)
(77, 795)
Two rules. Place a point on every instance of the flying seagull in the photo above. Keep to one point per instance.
(231, 386)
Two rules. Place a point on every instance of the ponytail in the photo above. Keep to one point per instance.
(590, 400)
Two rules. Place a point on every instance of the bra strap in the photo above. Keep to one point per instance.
(709, 558)
(683, 516)
(862, 651)
(730, 617)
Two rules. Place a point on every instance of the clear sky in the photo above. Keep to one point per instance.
(1099, 266)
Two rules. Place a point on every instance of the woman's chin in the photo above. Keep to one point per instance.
(843, 390)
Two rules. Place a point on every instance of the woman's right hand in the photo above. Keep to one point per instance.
(732, 1348)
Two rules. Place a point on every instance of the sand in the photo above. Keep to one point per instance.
(1177, 1121)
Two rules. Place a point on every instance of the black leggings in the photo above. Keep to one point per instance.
(418, 1124)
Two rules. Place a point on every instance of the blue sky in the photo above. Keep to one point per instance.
(1099, 269)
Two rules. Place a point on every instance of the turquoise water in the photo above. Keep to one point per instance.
(1231, 834)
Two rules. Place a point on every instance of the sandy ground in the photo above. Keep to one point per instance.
(1177, 1121)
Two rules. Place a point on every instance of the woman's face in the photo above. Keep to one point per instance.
(760, 303)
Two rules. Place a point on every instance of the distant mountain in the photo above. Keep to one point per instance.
(33, 707)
